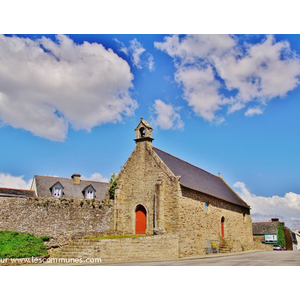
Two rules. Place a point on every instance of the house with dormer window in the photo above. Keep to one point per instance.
(74, 187)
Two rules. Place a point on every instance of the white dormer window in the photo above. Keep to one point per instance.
(89, 192)
(57, 190)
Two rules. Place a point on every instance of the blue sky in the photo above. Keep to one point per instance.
(229, 103)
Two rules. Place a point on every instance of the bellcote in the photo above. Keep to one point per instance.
(143, 132)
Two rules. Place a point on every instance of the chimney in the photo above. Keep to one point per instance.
(76, 178)
(274, 219)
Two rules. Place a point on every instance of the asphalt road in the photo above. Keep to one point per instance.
(257, 258)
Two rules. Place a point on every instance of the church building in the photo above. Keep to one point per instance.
(175, 208)
(158, 193)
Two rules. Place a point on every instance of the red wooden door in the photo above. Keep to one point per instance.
(222, 227)
(140, 220)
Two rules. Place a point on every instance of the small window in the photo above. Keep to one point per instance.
(57, 190)
(206, 206)
(90, 194)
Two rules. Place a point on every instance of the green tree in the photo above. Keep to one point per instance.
(113, 183)
(280, 235)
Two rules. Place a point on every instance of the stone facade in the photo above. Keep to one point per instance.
(145, 180)
(124, 249)
(199, 224)
(60, 219)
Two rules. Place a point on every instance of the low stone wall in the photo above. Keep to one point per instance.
(258, 245)
(123, 249)
(60, 219)
(144, 248)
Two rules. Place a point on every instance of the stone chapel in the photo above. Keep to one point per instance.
(175, 208)
(160, 194)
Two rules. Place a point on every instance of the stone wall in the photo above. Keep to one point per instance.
(143, 248)
(171, 208)
(259, 245)
(146, 181)
(60, 219)
(198, 224)
(157, 247)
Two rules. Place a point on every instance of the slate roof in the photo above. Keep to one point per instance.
(260, 228)
(8, 192)
(197, 179)
(71, 190)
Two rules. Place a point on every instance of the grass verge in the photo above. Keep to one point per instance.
(17, 245)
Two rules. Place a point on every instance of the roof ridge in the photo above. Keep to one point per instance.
(15, 189)
(71, 178)
(233, 191)
(51, 176)
(269, 222)
(93, 181)
(187, 162)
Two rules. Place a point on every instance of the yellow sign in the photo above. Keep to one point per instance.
(214, 244)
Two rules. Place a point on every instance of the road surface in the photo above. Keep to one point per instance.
(256, 258)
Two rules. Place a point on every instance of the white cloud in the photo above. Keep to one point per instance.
(192, 47)
(122, 48)
(200, 84)
(287, 208)
(253, 111)
(135, 51)
(45, 86)
(14, 182)
(150, 62)
(208, 65)
(166, 116)
(267, 70)
(95, 177)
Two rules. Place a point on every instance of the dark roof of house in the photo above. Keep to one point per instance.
(197, 179)
(8, 192)
(260, 228)
(71, 190)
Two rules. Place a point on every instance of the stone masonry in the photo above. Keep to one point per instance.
(142, 181)
(124, 249)
(198, 224)
(171, 208)
(60, 219)
(180, 220)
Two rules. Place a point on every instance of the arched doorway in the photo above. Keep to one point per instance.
(222, 226)
(140, 220)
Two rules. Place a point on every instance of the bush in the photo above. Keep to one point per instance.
(17, 245)
(280, 235)
(113, 184)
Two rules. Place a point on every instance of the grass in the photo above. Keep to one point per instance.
(105, 237)
(17, 245)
